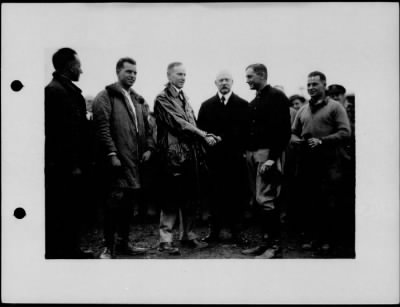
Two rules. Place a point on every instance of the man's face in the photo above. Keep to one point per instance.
(177, 76)
(75, 69)
(254, 80)
(339, 97)
(297, 104)
(127, 75)
(224, 83)
(315, 87)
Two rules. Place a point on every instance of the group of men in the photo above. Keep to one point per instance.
(232, 145)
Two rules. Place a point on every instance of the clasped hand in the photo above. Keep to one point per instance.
(212, 139)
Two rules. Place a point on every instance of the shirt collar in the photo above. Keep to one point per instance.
(319, 104)
(177, 89)
(227, 96)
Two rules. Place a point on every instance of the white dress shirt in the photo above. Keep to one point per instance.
(226, 96)
(132, 106)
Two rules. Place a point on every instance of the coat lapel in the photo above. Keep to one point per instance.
(178, 103)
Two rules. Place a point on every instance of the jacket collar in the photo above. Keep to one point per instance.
(115, 89)
(66, 82)
(173, 90)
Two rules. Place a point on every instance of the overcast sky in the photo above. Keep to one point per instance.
(290, 39)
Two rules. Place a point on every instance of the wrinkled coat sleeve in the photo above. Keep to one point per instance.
(101, 116)
(174, 119)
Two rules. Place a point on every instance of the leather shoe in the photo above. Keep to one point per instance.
(255, 251)
(194, 244)
(270, 253)
(106, 254)
(167, 247)
(127, 249)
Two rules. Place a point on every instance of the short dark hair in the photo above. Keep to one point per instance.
(121, 62)
(62, 58)
(172, 65)
(258, 68)
(294, 97)
(319, 74)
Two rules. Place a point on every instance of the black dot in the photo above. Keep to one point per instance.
(19, 213)
(16, 85)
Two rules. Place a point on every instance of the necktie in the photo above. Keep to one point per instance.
(182, 98)
(223, 100)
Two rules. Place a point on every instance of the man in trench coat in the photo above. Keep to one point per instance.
(180, 147)
(124, 142)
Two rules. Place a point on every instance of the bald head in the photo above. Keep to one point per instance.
(224, 82)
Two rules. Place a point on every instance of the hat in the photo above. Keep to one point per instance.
(336, 89)
(294, 97)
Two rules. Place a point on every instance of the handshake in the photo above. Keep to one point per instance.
(212, 139)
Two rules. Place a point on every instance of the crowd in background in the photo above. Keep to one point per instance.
(110, 162)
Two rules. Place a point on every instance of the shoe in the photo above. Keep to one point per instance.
(167, 247)
(194, 244)
(106, 254)
(272, 252)
(127, 249)
(308, 245)
(255, 251)
(84, 255)
(325, 247)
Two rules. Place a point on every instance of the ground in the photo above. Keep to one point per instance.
(145, 234)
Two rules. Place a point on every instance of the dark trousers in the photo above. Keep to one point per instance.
(118, 214)
(319, 185)
(65, 200)
(227, 193)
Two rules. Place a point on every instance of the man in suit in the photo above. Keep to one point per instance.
(269, 134)
(225, 115)
(182, 162)
(65, 157)
(124, 143)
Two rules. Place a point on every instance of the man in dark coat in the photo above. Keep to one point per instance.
(179, 143)
(124, 142)
(65, 157)
(225, 115)
(269, 134)
(321, 129)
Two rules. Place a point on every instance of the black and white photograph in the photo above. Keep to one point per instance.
(200, 152)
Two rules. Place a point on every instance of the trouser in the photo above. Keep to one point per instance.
(168, 216)
(118, 214)
(265, 193)
(65, 199)
(226, 193)
(319, 185)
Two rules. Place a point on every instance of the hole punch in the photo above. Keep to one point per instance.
(16, 85)
(19, 213)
